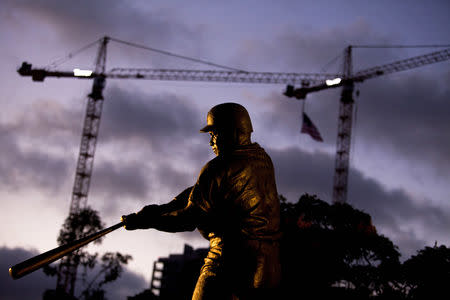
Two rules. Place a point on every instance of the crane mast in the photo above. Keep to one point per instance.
(89, 134)
(67, 270)
(344, 133)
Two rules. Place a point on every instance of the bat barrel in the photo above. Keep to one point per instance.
(38, 261)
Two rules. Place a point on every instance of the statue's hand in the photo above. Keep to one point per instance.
(146, 218)
(130, 221)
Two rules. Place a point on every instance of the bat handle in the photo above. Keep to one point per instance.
(36, 262)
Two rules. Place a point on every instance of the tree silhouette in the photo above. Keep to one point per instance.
(427, 274)
(79, 224)
(334, 250)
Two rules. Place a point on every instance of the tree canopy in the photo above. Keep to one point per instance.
(95, 272)
(331, 250)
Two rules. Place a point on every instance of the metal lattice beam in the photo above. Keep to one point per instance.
(220, 76)
(402, 65)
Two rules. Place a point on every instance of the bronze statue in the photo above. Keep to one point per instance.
(234, 204)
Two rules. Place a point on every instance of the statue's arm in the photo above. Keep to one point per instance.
(178, 202)
(185, 219)
(177, 215)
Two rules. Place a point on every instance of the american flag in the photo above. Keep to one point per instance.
(309, 128)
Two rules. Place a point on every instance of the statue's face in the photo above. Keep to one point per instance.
(221, 141)
(214, 142)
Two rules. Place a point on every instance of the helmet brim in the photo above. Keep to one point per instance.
(207, 128)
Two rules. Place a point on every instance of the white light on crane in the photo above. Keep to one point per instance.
(82, 73)
(335, 81)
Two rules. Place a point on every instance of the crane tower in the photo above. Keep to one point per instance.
(343, 140)
(67, 270)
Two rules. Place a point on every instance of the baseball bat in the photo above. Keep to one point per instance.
(38, 261)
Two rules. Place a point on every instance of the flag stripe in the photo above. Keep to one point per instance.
(309, 128)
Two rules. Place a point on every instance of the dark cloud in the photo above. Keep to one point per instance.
(129, 284)
(117, 182)
(306, 50)
(173, 178)
(29, 167)
(32, 286)
(119, 179)
(409, 118)
(76, 24)
(412, 223)
(31, 144)
(299, 172)
(155, 119)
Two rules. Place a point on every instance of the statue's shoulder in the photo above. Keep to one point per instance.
(213, 166)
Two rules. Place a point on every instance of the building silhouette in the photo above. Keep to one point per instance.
(174, 277)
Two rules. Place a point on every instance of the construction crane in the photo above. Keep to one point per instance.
(309, 82)
(67, 269)
(68, 266)
(347, 81)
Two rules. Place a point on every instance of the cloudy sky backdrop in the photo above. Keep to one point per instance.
(149, 147)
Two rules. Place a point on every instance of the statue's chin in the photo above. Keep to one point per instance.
(215, 150)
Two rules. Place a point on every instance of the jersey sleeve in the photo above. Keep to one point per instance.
(206, 190)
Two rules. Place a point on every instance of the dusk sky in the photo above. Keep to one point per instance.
(149, 148)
